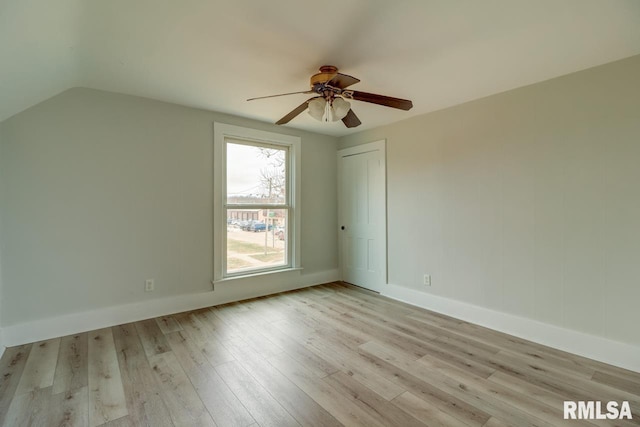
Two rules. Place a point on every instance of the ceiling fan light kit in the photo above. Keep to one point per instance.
(329, 105)
(324, 111)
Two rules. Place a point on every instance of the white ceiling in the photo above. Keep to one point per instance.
(216, 54)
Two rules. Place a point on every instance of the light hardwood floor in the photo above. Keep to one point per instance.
(324, 356)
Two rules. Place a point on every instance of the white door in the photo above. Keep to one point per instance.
(362, 215)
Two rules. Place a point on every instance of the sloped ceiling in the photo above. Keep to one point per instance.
(216, 54)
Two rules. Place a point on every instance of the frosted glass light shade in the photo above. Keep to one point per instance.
(340, 108)
(316, 108)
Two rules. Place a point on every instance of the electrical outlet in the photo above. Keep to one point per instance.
(148, 285)
(427, 280)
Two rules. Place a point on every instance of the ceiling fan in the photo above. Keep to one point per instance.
(330, 104)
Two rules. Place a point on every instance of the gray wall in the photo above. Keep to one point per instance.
(100, 191)
(1, 286)
(525, 202)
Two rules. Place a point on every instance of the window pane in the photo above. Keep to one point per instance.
(256, 239)
(256, 174)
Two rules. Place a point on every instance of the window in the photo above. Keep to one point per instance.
(256, 191)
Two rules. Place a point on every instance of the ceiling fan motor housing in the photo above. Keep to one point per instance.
(327, 72)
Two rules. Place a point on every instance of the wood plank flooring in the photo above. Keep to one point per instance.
(329, 355)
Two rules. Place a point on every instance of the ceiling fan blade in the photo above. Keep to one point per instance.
(387, 101)
(342, 80)
(351, 120)
(299, 109)
(282, 94)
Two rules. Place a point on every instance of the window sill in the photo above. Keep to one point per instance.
(262, 273)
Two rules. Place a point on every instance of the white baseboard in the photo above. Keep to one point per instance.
(235, 290)
(604, 350)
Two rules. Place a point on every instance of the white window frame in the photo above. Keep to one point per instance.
(221, 133)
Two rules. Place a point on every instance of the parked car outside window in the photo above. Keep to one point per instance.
(260, 226)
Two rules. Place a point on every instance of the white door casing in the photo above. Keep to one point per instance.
(362, 215)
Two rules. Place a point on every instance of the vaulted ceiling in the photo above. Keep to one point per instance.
(216, 54)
